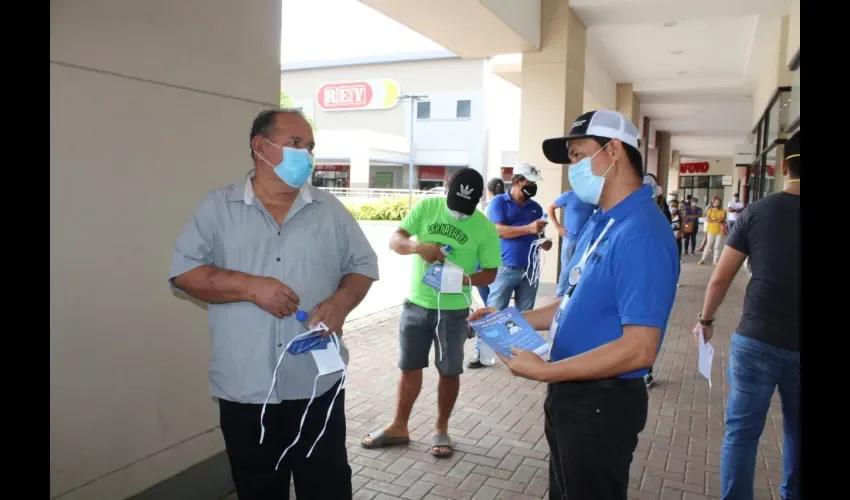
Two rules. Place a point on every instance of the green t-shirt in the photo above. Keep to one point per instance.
(473, 240)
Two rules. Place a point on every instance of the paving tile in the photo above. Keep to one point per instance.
(497, 423)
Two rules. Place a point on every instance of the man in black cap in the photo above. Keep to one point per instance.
(447, 229)
(606, 331)
(764, 353)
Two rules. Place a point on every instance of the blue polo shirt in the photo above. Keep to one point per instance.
(576, 212)
(630, 279)
(504, 210)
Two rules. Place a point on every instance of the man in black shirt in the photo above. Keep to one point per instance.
(765, 349)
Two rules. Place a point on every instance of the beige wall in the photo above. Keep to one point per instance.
(434, 76)
(774, 71)
(150, 106)
(552, 98)
(793, 44)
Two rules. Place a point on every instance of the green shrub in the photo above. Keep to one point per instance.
(390, 210)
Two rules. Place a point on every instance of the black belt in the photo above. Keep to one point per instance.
(606, 383)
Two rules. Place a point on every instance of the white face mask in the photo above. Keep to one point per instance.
(457, 215)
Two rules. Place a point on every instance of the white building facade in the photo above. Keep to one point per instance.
(363, 129)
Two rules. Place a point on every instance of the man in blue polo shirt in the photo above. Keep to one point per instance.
(608, 328)
(576, 213)
(519, 220)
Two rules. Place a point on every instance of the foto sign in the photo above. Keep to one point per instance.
(694, 168)
(358, 95)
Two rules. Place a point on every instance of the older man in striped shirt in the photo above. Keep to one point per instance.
(258, 251)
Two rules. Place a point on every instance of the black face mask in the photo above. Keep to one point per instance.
(529, 190)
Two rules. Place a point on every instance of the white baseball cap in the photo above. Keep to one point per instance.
(527, 170)
(600, 123)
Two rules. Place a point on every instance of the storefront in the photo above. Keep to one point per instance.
(332, 176)
(698, 180)
(781, 118)
(431, 176)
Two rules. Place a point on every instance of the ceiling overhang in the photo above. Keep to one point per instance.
(469, 28)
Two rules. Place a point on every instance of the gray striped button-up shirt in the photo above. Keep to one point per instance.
(318, 244)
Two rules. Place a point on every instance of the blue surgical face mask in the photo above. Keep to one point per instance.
(295, 167)
(586, 184)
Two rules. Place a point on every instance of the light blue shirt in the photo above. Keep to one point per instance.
(318, 244)
(629, 279)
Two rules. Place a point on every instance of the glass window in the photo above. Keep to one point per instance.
(794, 98)
(464, 108)
(687, 181)
(423, 110)
(701, 181)
(716, 181)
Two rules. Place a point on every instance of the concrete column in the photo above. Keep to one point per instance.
(359, 168)
(662, 143)
(151, 106)
(673, 179)
(552, 98)
(627, 103)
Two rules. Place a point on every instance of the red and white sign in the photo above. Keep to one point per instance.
(358, 95)
(431, 173)
(332, 168)
(700, 167)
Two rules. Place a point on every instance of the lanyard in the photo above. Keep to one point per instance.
(575, 272)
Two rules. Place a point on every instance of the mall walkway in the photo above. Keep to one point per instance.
(498, 422)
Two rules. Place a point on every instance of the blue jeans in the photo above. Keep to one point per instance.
(567, 251)
(509, 281)
(755, 370)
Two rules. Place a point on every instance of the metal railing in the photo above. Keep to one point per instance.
(374, 193)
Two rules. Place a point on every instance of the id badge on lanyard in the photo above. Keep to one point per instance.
(573, 279)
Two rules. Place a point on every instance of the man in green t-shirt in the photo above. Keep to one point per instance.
(430, 317)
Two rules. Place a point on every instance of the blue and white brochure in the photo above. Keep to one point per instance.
(507, 328)
(434, 276)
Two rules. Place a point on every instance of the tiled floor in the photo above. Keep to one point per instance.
(498, 421)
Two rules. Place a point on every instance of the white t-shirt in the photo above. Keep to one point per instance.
(733, 216)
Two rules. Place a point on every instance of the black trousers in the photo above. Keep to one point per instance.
(690, 241)
(592, 429)
(326, 475)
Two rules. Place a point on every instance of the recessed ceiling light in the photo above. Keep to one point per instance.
(670, 24)
(676, 52)
(682, 72)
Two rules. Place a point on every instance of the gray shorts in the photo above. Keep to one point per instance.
(418, 332)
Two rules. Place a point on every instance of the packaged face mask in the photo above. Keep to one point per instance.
(326, 354)
(445, 278)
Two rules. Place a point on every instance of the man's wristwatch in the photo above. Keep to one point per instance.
(703, 321)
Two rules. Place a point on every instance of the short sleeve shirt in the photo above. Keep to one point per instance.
(576, 212)
(504, 210)
(629, 279)
(473, 240)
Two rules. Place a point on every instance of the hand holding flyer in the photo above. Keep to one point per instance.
(506, 329)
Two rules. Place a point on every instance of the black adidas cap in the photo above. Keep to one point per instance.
(465, 190)
(600, 123)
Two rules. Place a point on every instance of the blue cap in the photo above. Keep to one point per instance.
(301, 316)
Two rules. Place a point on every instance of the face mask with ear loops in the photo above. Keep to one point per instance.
(445, 278)
(535, 257)
(326, 354)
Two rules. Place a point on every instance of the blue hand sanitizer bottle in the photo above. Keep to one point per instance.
(302, 317)
(447, 249)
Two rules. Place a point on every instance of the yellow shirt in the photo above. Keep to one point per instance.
(716, 213)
